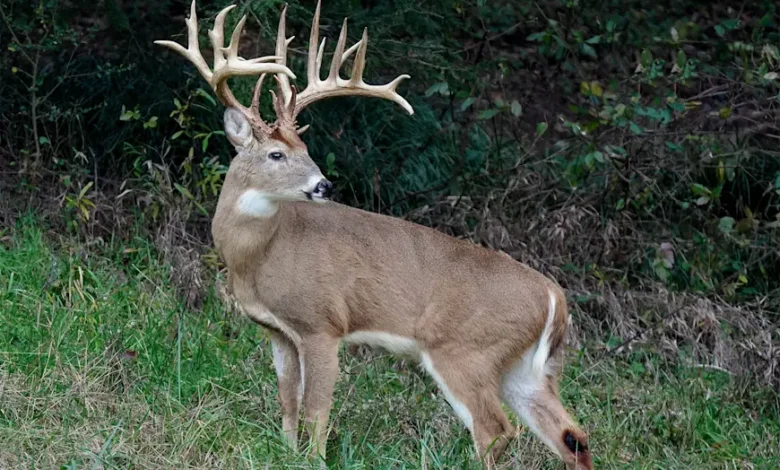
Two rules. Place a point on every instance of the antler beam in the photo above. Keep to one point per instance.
(227, 62)
(318, 89)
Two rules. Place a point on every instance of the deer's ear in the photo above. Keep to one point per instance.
(237, 128)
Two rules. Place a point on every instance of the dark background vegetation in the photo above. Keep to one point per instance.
(629, 149)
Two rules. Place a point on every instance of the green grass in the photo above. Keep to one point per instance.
(102, 367)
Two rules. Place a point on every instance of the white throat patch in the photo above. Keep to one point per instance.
(255, 203)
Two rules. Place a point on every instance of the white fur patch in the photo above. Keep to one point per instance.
(257, 204)
(460, 409)
(302, 385)
(392, 343)
(279, 358)
(543, 348)
(526, 378)
(520, 383)
(518, 388)
(299, 397)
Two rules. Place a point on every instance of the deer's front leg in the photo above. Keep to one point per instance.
(288, 374)
(320, 370)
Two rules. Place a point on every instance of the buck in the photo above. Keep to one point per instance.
(485, 327)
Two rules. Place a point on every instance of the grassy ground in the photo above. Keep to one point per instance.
(102, 367)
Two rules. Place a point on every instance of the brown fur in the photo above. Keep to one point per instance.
(314, 273)
(288, 135)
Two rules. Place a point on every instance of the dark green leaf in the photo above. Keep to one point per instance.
(516, 108)
(487, 114)
(589, 51)
(681, 58)
(441, 88)
(206, 95)
(467, 103)
(184, 191)
(646, 58)
(674, 147)
(700, 190)
(726, 224)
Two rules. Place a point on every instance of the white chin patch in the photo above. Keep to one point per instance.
(255, 203)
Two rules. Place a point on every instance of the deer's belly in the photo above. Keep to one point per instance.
(395, 344)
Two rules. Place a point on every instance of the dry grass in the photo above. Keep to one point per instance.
(102, 365)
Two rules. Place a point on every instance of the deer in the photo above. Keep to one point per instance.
(315, 273)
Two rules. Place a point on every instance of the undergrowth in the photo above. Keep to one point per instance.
(103, 366)
(628, 149)
(639, 138)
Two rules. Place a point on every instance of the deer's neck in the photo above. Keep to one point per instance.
(245, 223)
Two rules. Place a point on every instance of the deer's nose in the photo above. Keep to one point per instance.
(324, 188)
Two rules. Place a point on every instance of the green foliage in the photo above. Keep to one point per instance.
(102, 366)
(660, 118)
(617, 145)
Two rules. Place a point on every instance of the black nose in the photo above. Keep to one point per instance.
(324, 188)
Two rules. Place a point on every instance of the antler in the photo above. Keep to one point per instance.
(227, 63)
(317, 89)
(289, 103)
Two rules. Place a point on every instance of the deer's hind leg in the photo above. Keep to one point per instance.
(534, 396)
(288, 374)
(472, 390)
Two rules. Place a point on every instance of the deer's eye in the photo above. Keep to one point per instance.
(276, 156)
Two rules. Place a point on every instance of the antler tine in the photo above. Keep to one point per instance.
(282, 42)
(360, 60)
(192, 52)
(317, 89)
(255, 107)
(314, 57)
(235, 38)
(349, 51)
(335, 63)
(253, 113)
(236, 66)
(217, 36)
(320, 54)
(284, 109)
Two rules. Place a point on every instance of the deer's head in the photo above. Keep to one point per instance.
(272, 162)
